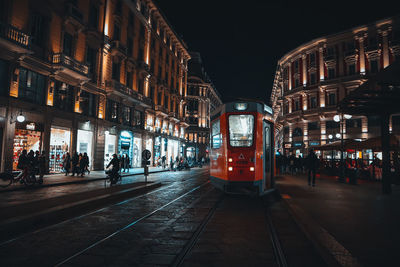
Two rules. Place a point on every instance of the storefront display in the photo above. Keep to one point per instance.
(85, 143)
(137, 152)
(173, 149)
(25, 139)
(157, 149)
(110, 141)
(60, 140)
(149, 146)
(126, 145)
(190, 152)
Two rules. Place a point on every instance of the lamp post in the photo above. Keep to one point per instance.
(339, 118)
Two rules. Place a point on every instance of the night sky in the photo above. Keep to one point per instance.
(241, 41)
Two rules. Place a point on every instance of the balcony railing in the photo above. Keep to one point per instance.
(129, 92)
(14, 35)
(70, 63)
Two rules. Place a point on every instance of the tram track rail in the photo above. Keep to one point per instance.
(276, 244)
(128, 226)
(180, 258)
(74, 218)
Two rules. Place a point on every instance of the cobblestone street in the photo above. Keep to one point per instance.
(185, 221)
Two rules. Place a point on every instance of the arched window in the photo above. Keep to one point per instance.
(297, 132)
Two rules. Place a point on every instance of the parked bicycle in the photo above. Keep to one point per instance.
(7, 178)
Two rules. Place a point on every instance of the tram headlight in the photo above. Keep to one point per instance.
(230, 169)
(230, 160)
(252, 169)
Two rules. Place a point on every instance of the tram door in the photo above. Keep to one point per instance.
(268, 172)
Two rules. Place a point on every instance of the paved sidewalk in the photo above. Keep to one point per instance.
(61, 179)
(356, 220)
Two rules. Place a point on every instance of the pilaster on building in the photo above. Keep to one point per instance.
(313, 78)
(96, 77)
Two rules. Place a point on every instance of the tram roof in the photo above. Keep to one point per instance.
(242, 106)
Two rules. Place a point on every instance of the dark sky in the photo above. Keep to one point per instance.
(241, 41)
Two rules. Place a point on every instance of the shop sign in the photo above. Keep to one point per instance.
(288, 145)
(314, 143)
(31, 126)
(297, 144)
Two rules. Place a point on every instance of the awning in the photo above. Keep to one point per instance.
(376, 144)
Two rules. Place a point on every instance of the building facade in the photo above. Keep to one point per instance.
(201, 100)
(312, 79)
(94, 76)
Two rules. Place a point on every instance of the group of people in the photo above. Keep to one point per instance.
(299, 165)
(179, 162)
(77, 164)
(32, 163)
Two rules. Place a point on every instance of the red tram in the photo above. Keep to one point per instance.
(242, 148)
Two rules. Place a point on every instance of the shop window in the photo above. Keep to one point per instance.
(297, 132)
(88, 103)
(31, 86)
(63, 96)
(216, 136)
(313, 126)
(4, 84)
(332, 125)
(68, 44)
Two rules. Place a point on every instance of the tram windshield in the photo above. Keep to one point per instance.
(241, 129)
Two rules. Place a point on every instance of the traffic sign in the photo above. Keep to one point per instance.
(146, 154)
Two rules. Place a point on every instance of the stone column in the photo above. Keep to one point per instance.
(385, 44)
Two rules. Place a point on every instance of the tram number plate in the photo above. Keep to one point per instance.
(241, 162)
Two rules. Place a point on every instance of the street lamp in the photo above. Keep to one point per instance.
(19, 118)
(339, 118)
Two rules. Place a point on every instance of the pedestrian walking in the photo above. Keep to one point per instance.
(163, 159)
(312, 162)
(67, 163)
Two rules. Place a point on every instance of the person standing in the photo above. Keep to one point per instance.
(127, 162)
(123, 163)
(75, 161)
(67, 163)
(84, 164)
(42, 166)
(312, 162)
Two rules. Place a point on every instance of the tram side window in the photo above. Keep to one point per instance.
(241, 129)
(216, 134)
